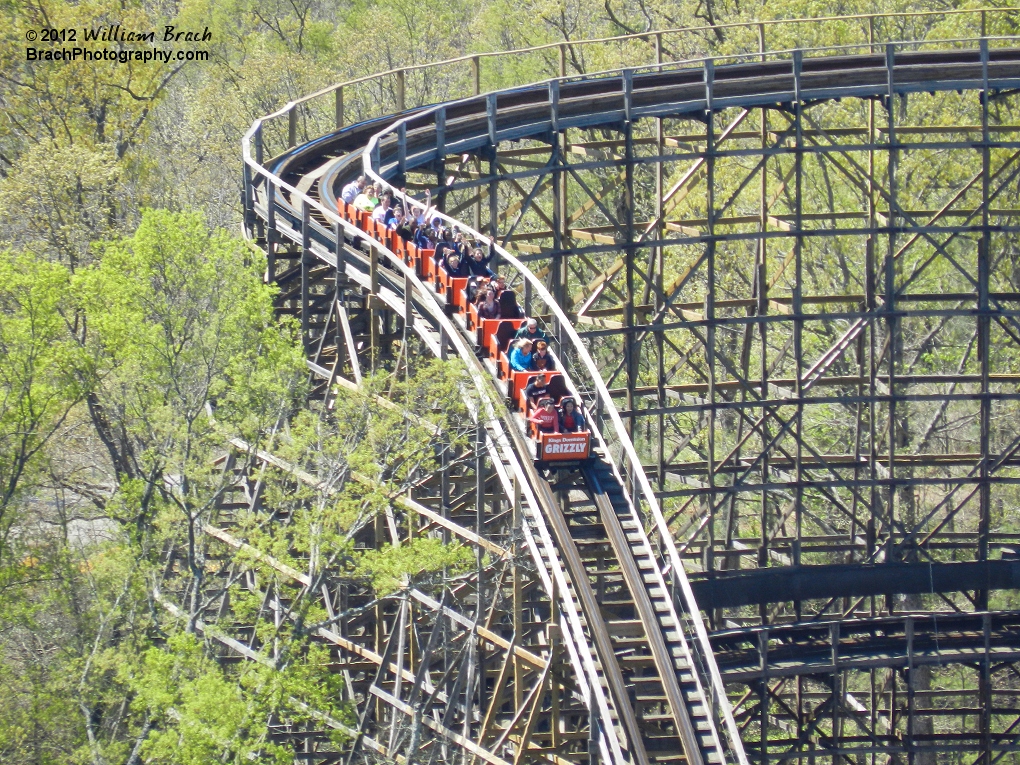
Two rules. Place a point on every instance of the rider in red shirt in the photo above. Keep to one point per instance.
(546, 419)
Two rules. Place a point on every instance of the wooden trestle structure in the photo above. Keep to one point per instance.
(788, 289)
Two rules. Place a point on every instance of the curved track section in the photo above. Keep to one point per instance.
(635, 635)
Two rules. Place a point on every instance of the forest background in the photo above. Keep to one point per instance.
(137, 339)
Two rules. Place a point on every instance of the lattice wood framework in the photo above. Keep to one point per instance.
(468, 665)
(809, 314)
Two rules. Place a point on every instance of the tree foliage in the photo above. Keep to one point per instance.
(136, 342)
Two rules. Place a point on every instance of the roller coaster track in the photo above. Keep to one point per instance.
(646, 672)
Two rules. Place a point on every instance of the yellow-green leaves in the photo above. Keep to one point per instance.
(36, 384)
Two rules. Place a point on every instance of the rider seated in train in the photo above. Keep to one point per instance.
(537, 389)
(520, 356)
(444, 241)
(461, 243)
(546, 418)
(421, 218)
(423, 237)
(351, 190)
(478, 264)
(402, 224)
(367, 200)
(383, 213)
(530, 331)
(486, 304)
(508, 308)
(571, 419)
(453, 265)
(540, 359)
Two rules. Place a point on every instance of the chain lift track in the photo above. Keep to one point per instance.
(648, 683)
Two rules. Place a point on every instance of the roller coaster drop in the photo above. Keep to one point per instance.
(691, 605)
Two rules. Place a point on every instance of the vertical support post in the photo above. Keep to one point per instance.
(259, 145)
(563, 60)
(871, 305)
(558, 256)
(480, 511)
(763, 695)
(339, 295)
(372, 299)
(984, 323)
(837, 690)
(985, 691)
(249, 205)
(400, 90)
(339, 107)
(408, 315)
(798, 304)
(709, 77)
(292, 127)
(763, 333)
(476, 76)
(658, 256)
(518, 594)
(272, 234)
(481, 597)
(892, 324)
(402, 148)
(658, 304)
(441, 136)
(490, 114)
(494, 196)
(306, 265)
(629, 356)
(911, 745)
(560, 212)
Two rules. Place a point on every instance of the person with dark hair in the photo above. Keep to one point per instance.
(508, 308)
(545, 417)
(443, 242)
(462, 245)
(537, 389)
(423, 237)
(488, 307)
(540, 359)
(402, 224)
(366, 200)
(571, 419)
(383, 213)
(478, 264)
(351, 190)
